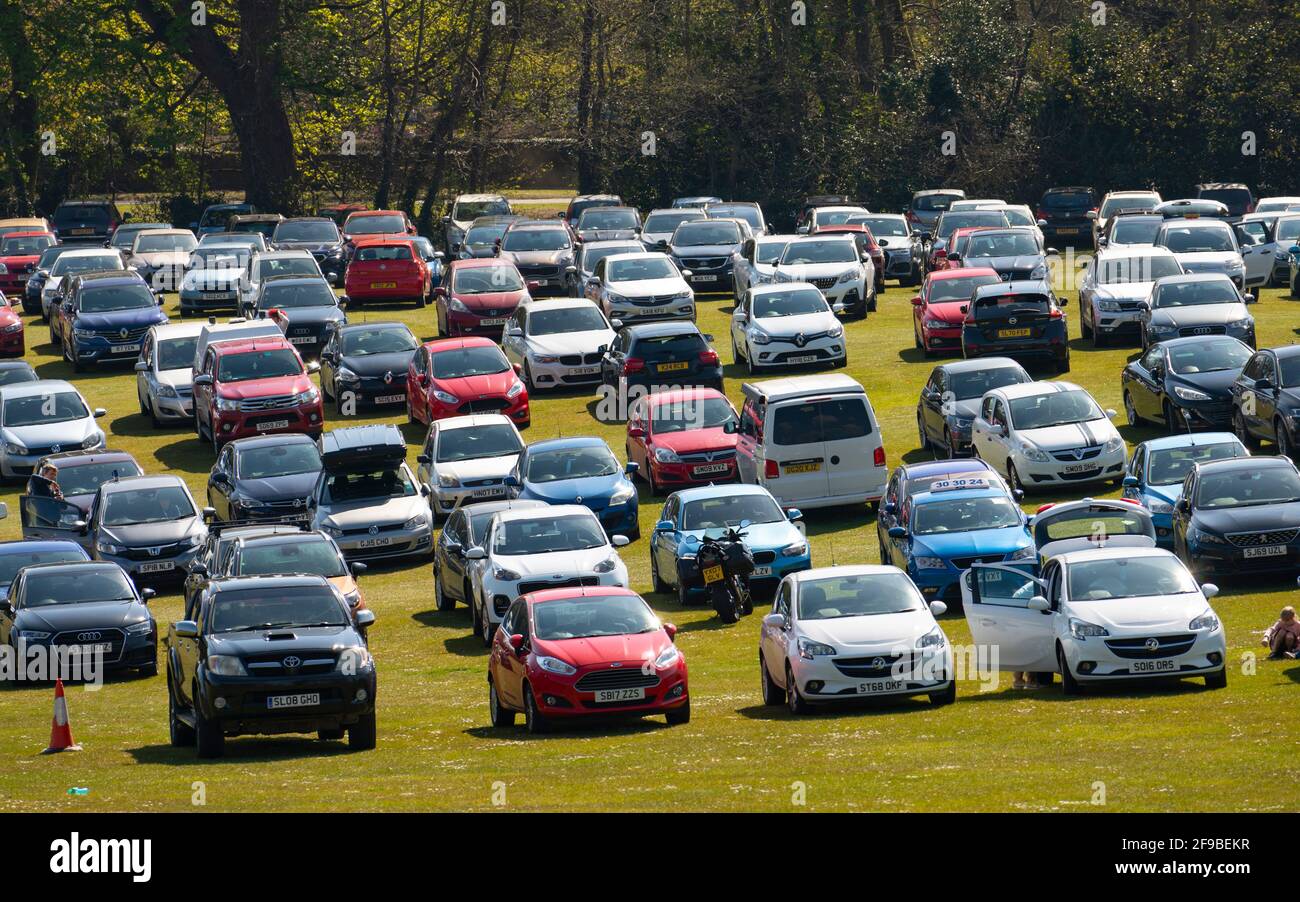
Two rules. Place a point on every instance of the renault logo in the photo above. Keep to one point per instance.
(89, 637)
(800, 340)
(1152, 644)
(388, 378)
(124, 333)
(293, 662)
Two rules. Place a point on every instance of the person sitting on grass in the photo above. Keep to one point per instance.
(1283, 637)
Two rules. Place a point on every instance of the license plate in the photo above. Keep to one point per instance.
(671, 367)
(377, 542)
(1265, 551)
(217, 296)
(383, 284)
(494, 321)
(1078, 468)
(273, 424)
(389, 399)
(127, 349)
(762, 571)
(1067, 231)
(1191, 216)
(652, 311)
(804, 466)
(620, 695)
(704, 278)
(1013, 333)
(301, 339)
(706, 469)
(302, 700)
(98, 648)
(803, 358)
(487, 493)
(82, 232)
(1153, 666)
(712, 575)
(585, 370)
(155, 566)
(879, 686)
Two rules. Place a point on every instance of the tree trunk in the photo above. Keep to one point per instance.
(18, 114)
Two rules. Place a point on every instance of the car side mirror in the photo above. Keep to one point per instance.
(517, 642)
(199, 570)
(620, 541)
(664, 526)
(890, 507)
(1183, 506)
(897, 532)
(313, 367)
(917, 301)
(142, 366)
(938, 608)
(423, 459)
(209, 514)
(186, 629)
(146, 594)
(671, 630)
(631, 467)
(1131, 482)
(1110, 412)
(774, 621)
(1249, 298)
(965, 308)
(1263, 384)
(838, 308)
(731, 427)
(357, 568)
(512, 481)
(475, 554)
(202, 379)
(794, 515)
(100, 412)
(1092, 214)
(365, 618)
(1209, 590)
(424, 491)
(1039, 603)
(6, 607)
(635, 432)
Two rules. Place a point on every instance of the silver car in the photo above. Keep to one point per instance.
(40, 418)
(164, 374)
(467, 459)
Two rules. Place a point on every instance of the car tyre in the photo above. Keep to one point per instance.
(1013, 477)
(1084, 330)
(498, 714)
(1283, 440)
(208, 738)
(334, 734)
(363, 735)
(794, 701)
(180, 733)
(772, 693)
(921, 434)
(440, 598)
(683, 594)
(1069, 685)
(1218, 680)
(949, 444)
(1239, 427)
(1130, 410)
(656, 582)
(678, 716)
(944, 696)
(487, 629)
(474, 625)
(534, 720)
(1171, 419)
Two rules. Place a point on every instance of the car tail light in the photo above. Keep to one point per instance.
(878, 459)
(1043, 507)
(1250, 207)
(1056, 313)
(709, 356)
(771, 470)
(633, 365)
(1041, 214)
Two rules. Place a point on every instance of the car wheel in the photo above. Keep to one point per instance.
(487, 628)
(1130, 410)
(1013, 477)
(793, 699)
(735, 352)
(656, 583)
(153, 415)
(534, 720)
(1084, 331)
(1063, 363)
(180, 733)
(678, 716)
(208, 738)
(528, 378)
(1217, 680)
(363, 735)
(949, 444)
(1239, 427)
(650, 480)
(440, 598)
(944, 696)
(1069, 685)
(772, 693)
(333, 734)
(499, 715)
(474, 625)
(749, 361)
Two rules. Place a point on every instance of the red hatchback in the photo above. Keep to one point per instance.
(387, 269)
(477, 296)
(19, 252)
(254, 386)
(678, 438)
(456, 376)
(579, 652)
(938, 311)
(12, 340)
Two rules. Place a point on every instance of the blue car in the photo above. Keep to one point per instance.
(909, 479)
(956, 522)
(579, 471)
(106, 318)
(14, 556)
(779, 546)
(1157, 468)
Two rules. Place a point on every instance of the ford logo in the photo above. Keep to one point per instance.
(293, 662)
(89, 637)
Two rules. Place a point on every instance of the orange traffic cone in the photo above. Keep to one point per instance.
(61, 730)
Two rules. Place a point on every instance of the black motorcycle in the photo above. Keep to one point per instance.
(725, 565)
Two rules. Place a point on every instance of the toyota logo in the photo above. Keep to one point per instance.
(293, 662)
(877, 663)
(89, 637)
(1152, 644)
(374, 530)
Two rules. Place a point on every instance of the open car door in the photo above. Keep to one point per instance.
(51, 518)
(1007, 611)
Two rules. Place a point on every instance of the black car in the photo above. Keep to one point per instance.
(1266, 399)
(15, 371)
(91, 605)
(36, 281)
(1064, 212)
(216, 550)
(465, 528)
(1020, 320)
(1239, 517)
(306, 310)
(1014, 254)
(86, 222)
(264, 477)
(79, 474)
(665, 353)
(608, 224)
(318, 235)
(705, 248)
(366, 363)
(951, 399)
(1184, 383)
(269, 655)
(1238, 198)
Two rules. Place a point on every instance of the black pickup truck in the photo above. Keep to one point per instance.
(268, 655)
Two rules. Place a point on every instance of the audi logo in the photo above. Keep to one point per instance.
(89, 637)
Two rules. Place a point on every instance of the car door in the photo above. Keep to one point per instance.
(888, 515)
(329, 361)
(143, 374)
(595, 287)
(1147, 385)
(417, 382)
(638, 435)
(739, 320)
(664, 542)
(512, 338)
(996, 601)
(1259, 400)
(221, 482)
(511, 664)
(611, 364)
(203, 392)
(749, 430)
(50, 518)
(1257, 248)
(795, 458)
(848, 430)
(982, 431)
(932, 405)
(774, 641)
(454, 561)
(9, 612)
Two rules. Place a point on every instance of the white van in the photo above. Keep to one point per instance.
(236, 328)
(812, 441)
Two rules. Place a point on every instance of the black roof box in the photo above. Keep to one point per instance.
(345, 448)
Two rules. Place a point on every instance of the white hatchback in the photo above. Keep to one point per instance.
(832, 263)
(557, 342)
(466, 459)
(786, 325)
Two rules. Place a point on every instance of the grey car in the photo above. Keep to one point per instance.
(1196, 304)
(40, 418)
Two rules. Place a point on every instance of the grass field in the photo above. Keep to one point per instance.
(1159, 748)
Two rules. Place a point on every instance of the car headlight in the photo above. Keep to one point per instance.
(332, 531)
(932, 639)
(1190, 394)
(1040, 272)
(353, 598)
(545, 359)
(1034, 454)
(623, 495)
(227, 404)
(795, 549)
(555, 665)
(13, 327)
(608, 565)
(83, 334)
(109, 548)
(851, 276)
(1028, 553)
(1113, 444)
(32, 635)
(1107, 305)
(505, 574)
(93, 441)
(346, 375)
(419, 521)
(669, 656)
(354, 660)
(1233, 264)
(445, 397)
(1200, 537)
(1161, 327)
(226, 665)
(448, 481)
(15, 448)
(1243, 325)
(1160, 507)
(929, 562)
(808, 649)
(667, 456)
(1206, 621)
(514, 390)
(140, 629)
(167, 391)
(759, 337)
(310, 396)
(615, 298)
(456, 305)
(1082, 629)
(835, 331)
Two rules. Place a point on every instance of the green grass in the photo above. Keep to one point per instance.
(1155, 749)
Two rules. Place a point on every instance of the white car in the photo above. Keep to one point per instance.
(660, 224)
(212, 280)
(466, 459)
(164, 374)
(786, 325)
(1115, 201)
(820, 217)
(42, 418)
(833, 264)
(1264, 247)
(1116, 283)
(754, 263)
(557, 342)
(1276, 205)
(638, 287)
(1020, 215)
(842, 633)
(977, 203)
(1099, 614)
(267, 265)
(1204, 246)
(528, 550)
(1040, 434)
(72, 262)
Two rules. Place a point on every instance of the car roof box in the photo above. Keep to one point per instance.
(352, 446)
(826, 200)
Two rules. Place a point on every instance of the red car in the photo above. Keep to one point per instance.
(255, 386)
(866, 242)
(387, 269)
(455, 376)
(477, 296)
(579, 652)
(938, 311)
(19, 252)
(376, 224)
(678, 438)
(12, 340)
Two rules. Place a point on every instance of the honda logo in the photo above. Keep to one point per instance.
(154, 552)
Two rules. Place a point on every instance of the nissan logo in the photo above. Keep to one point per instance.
(293, 662)
(1152, 644)
(1012, 321)
(89, 637)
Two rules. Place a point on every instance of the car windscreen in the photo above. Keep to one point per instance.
(315, 556)
(470, 210)
(638, 268)
(789, 302)
(24, 247)
(1195, 294)
(11, 375)
(219, 217)
(12, 562)
(548, 535)
(964, 515)
(571, 463)
(269, 461)
(959, 288)
(535, 240)
(1251, 487)
(691, 413)
(76, 585)
(882, 226)
(934, 203)
(276, 607)
(215, 257)
(1207, 356)
(87, 478)
(148, 243)
(586, 318)
(704, 232)
(667, 222)
(371, 485)
(1055, 409)
(50, 254)
(31, 410)
(1055, 526)
(608, 218)
(729, 510)
(858, 596)
(124, 237)
(300, 294)
(1168, 466)
(769, 251)
(487, 280)
(478, 442)
(1008, 244)
(270, 267)
(177, 353)
(837, 250)
(1287, 229)
(116, 297)
(1198, 240)
(460, 363)
(1067, 200)
(1134, 577)
(973, 384)
(751, 215)
(593, 255)
(1138, 202)
(1139, 230)
(364, 342)
(389, 224)
(1127, 270)
(1018, 217)
(951, 222)
(589, 617)
(323, 232)
(485, 234)
(1005, 306)
(154, 505)
(258, 365)
(70, 264)
(834, 419)
(79, 213)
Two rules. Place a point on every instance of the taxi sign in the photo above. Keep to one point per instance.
(959, 483)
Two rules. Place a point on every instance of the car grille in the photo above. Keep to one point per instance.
(694, 263)
(627, 677)
(164, 551)
(481, 483)
(115, 637)
(535, 269)
(1202, 330)
(492, 312)
(580, 359)
(116, 334)
(365, 530)
(537, 585)
(274, 403)
(275, 665)
(1130, 305)
(764, 557)
(1086, 474)
(1254, 539)
(963, 563)
(709, 457)
(1166, 646)
(825, 283)
(484, 405)
(1071, 457)
(874, 665)
(1008, 275)
(654, 300)
(808, 336)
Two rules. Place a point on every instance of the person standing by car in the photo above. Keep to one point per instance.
(44, 484)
